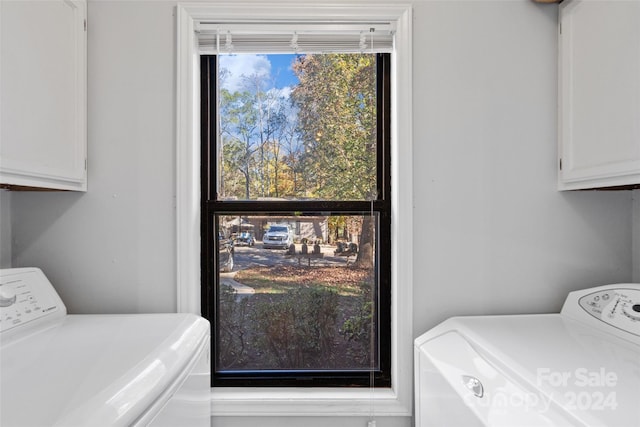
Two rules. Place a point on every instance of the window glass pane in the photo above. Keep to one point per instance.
(301, 293)
(297, 127)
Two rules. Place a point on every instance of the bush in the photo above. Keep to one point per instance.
(232, 329)
(297, 329)
(358, 328)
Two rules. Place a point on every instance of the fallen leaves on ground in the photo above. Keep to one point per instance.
(302, 275)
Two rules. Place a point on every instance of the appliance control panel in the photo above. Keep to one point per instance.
(26, 295)
(615, 305)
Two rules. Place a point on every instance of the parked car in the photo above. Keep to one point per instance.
(279, 236)
(225, 253)
(246, 238)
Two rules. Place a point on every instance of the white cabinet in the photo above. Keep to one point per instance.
(599, 94)
(43, 137)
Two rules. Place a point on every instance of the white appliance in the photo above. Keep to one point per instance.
(97, 370)
(580, 367)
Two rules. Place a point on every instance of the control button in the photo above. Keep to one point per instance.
(7, 296)
(636, 308)
(605, 297)
(596, 298)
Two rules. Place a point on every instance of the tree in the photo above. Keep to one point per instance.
(238, 125)
(322, 144)
(253, 120)
(336, 102)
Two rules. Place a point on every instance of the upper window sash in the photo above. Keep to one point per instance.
(379, 144)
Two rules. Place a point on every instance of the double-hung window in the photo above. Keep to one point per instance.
(296, 203)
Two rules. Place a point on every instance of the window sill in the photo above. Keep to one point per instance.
(306, 402)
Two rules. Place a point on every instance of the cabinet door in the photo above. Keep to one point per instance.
(43, 94)
(599, 123)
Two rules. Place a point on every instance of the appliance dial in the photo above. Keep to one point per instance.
(632, 312)
(7, 296)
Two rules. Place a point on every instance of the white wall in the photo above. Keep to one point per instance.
(492, 235)
(5, 229)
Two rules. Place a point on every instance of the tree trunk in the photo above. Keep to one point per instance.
(365, 250)
(246, 184)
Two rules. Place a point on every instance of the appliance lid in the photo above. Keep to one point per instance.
(548, 361)
(105, 368)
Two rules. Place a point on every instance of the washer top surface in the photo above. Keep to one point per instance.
(94, 367)
(572, 368)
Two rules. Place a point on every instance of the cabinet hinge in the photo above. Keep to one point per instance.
(85, 164)
(85, 25)
(560, 163)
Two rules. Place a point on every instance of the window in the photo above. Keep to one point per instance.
(296, 218)
(259, 401)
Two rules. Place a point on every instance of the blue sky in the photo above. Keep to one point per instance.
(281, 70)
(277, 67)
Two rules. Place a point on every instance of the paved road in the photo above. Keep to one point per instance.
(248, 256)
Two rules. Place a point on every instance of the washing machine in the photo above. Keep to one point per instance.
(58, 369)
(579, 367)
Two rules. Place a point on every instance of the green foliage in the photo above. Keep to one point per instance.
(337, 120)
(296, 324)
(298, 330)
(359, 327)
(320, 143)
(253, 129)
(231, 328)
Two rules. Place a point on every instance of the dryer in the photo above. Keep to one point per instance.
(579, 367)
(58, 369)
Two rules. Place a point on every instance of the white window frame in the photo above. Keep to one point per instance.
(243, 401)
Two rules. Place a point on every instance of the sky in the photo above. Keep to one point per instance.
(281, 70)
(277, 67)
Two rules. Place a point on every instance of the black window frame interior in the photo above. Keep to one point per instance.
(210, 206)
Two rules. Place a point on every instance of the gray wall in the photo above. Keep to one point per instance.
(492, 235)
(5, 229)
(635, 252)
(113, 248)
